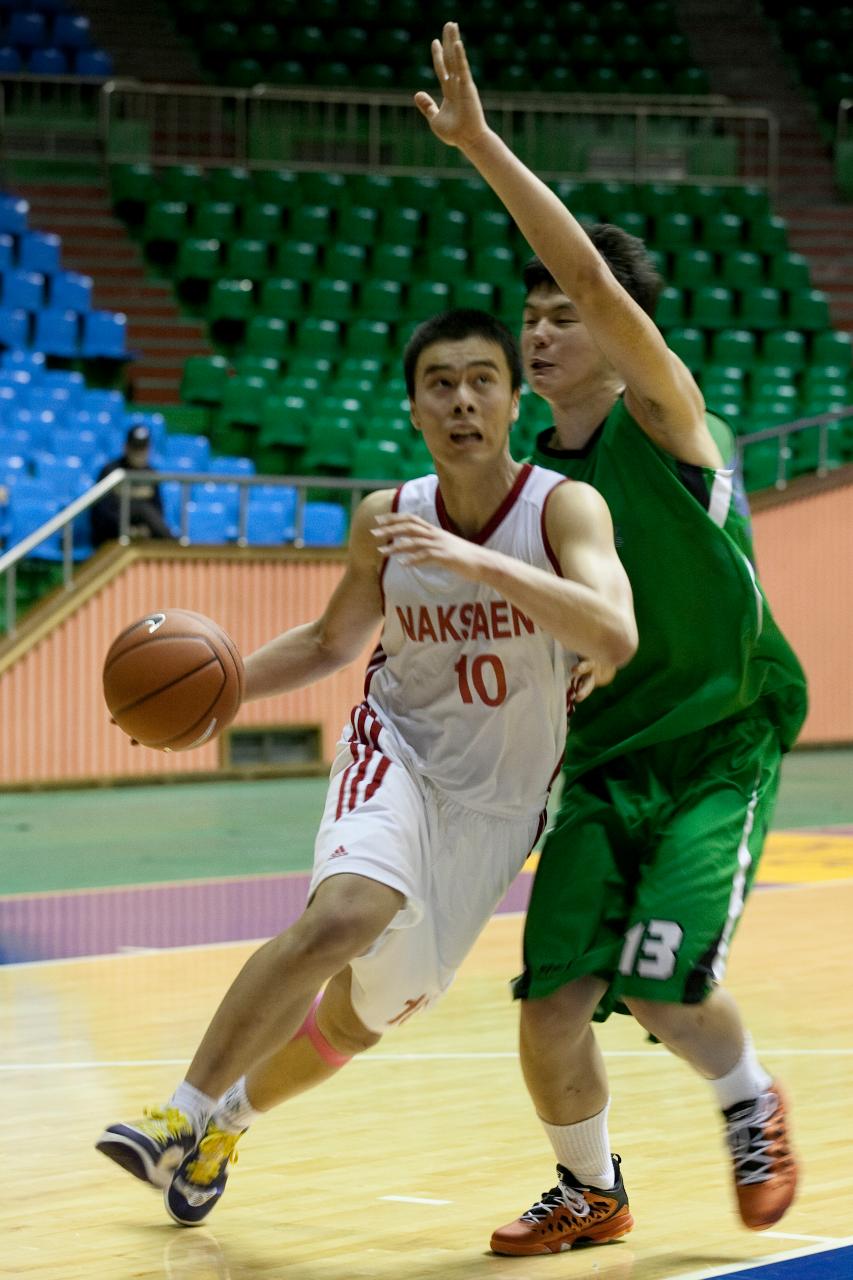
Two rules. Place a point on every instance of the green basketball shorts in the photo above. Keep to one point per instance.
(644, 875)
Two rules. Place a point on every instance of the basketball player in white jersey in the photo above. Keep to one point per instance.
(489, 578)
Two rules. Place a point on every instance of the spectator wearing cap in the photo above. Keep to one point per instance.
(146, 504)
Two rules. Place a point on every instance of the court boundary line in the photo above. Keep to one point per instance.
(765, 1260)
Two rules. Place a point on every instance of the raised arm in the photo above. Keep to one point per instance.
(316, 649)
(589, 609)
(661, 392)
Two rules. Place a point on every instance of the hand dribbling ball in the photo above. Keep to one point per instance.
(173, 680)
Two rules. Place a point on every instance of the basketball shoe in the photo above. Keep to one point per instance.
(566, 1214)
(200, 1181)
(765, 1170)
(150, 1148)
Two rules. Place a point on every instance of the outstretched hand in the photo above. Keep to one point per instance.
(459, 121)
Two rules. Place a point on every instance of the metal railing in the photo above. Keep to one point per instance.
(599, 136)
(823, 422)
(843, 119)
(53, 117)
(63, 521)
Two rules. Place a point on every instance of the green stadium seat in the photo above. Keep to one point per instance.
(700, 200)
(478, 294)
(267, 336)
(657, 198)
(762, 465)
(358, 224)
(473, 196)
(332, 299)
(311, 222)
(393, 262)
(345, 261)
(243, 73)
(495, 264)
(204, 380)
(647, 80)
(722, 232)
(808, 310)
(446, 227)
(558, 80)
(309, 364)
(789, 271)
(670, 308)
(832, 348)
(276, 186)
(426, 298)
(216, 219)
(198, 264)
(248, 258)
(491, 226)
(674, 231)
(369, 338)
(286, 72)
(784, 346)
(317, 187)
(691, 81)
(386, 427)
(818, 449)
(766, 380)
(378, 460)
(374, 190)
(330, 447)
(263, 221)
(230, 309)
(308, 42)
(298, 259)
(734, 347)
(316, 336)
(282, 297)
(243, 401)
(183, 182)
(381, 300)
(263, 40)
(250, 364)
(419, 192)
(689, 344)
(375, 75)
(401, 224)
(760, 308)
(513, 295)
(133, 187)
(447, 261)
(693, 268)
(742, 270)
(165, 226)
(360, 367)
(767, 234)
(632, 221)
(712, 307)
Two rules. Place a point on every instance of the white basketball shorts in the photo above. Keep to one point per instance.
(452, 864)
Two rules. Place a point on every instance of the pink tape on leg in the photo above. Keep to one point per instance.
(326, 1051)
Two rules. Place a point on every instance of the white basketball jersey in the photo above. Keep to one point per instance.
(472, 693)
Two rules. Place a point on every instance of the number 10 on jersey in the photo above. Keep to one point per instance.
(483, 678)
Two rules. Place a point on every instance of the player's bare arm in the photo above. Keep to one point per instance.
(589, 610)
(661, 392)
(316, 649)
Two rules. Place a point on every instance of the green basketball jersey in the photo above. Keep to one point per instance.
(709, 648)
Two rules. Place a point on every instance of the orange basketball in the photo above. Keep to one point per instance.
(173, 680)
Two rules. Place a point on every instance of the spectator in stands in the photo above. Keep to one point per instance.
(146, 504)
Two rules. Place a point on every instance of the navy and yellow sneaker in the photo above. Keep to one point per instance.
(151, 1148)
(567, 1214)
(200, 1181)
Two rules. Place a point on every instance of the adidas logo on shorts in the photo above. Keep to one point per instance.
(340, 852)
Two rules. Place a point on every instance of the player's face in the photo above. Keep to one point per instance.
(558, 352)
(464, 402)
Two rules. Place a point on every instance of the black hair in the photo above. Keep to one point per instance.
(453, 326)
(626, 256)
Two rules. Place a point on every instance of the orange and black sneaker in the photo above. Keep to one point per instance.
(765, 1169)
(568, 1213)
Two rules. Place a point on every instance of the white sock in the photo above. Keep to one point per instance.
(194, 1104)
(584, 1149)
(234, 1112)
(746, 1080)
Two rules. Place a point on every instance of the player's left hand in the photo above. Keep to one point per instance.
(459, 121)
(412, 540)
(588, 675)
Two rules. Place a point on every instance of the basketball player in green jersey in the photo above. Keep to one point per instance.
(671, 770)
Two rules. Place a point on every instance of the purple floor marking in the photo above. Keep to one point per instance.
(53, 926)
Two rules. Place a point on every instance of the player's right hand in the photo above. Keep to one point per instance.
(133, 741)
(459, 121)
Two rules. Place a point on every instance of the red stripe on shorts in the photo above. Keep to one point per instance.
(359, 777)
(376, 781)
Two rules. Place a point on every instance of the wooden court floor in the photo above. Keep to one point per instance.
(401, 1165)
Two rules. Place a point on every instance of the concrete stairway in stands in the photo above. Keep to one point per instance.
(95, 243)
(738, 46)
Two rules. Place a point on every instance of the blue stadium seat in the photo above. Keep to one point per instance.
(73, 381)
(224, 464)
(170, 492)
(10, 61)
(26, 514)
(7, 244)
(44, 396)
(70, 291)
(40, 251)
(56, 333)
(270, 523)
(66, 478)
(98, 400)
(93, 62)
(105, 335)
(14, 327)
(27, 30)
(207, 522)
(66, 443)
(23, 290)
(22, 358)
(14, 214)
(48, 62)
(325, 524)
(196, 448)
(72, 31)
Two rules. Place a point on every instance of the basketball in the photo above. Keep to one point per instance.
(173, 680)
